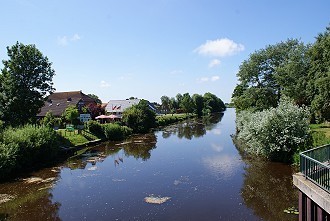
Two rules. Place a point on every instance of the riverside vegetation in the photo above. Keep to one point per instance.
(25, 143)
(282, 89)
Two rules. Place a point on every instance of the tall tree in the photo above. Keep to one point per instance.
(25, 81)
(96, 98)
(319, 73)
(198, 103)
(165, 103)
(268, 73)
(187, 103)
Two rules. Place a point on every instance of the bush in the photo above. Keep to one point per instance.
(139, 117)
(26, 147)
(116, 132)
(276, 133)
(95, 128)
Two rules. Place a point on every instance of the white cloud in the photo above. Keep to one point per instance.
(215, 78)
(214, 62)
(104, 84)
(217, 148)
(176, 72)
(222, 166)
(75, 37)
(206, 79)
(62, 41)
(219, 48)
(65, 40)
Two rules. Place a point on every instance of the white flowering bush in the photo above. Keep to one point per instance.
(276, 133)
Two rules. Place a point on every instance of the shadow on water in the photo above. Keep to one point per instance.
(29, 198)
(267, 188)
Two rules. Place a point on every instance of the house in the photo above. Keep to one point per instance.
(117, 107)
(57, 102)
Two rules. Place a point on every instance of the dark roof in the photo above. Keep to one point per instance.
(59, 101)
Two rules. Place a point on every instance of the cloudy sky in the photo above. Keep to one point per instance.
(149, 48)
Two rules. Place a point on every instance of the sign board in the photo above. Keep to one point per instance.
(85, 117)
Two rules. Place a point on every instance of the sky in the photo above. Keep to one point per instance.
(150, 48)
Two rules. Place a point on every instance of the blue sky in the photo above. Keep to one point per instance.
(149, 48)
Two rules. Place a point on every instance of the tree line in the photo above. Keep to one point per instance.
(198, 104)
(292, 69)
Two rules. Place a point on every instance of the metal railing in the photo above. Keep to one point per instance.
(315, 165)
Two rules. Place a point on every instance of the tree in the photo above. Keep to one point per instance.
(95, 110)
(140, 117)
(96, 98)
(165, 103)
(199, 104)
(268, 73)
(71, 114)
(213, 103)
(319, 73)
(25, 81)
(187, 103)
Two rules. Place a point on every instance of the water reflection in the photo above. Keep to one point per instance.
(193, 128)
(268, 189)
(30, 197)
(222, 166)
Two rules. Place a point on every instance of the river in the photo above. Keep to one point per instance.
(192, 167)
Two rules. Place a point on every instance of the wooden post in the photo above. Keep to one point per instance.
(302, 206)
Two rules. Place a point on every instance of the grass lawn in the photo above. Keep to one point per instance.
(320, 133)
(73, 137)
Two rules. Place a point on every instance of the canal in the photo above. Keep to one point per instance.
(191, 169)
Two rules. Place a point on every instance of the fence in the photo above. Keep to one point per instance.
(315, 165)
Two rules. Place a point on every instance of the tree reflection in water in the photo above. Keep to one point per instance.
(31, 200)
(265, 183)
(192, 128)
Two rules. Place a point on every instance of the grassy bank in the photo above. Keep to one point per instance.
(320, 134)
(167, 119)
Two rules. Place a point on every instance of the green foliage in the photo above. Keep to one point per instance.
(165, 120)
(115, 132)
(95, 128)
(276, 133)
(71, 114)
(50, 120)
(319, 73)
(96, 98)
(26, 147)
(25, 81)
(212, 103)
(198, 104)
(166, 104)
(269, 73)
(139, 117)
(187, 103)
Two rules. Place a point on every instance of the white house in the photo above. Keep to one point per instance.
(117, 107)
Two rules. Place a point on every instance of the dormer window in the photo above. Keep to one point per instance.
(69, 99)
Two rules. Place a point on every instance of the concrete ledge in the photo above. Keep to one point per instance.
(315, 193)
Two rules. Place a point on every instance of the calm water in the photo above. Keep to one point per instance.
(195, 163)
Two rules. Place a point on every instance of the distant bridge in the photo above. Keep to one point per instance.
(313, 183)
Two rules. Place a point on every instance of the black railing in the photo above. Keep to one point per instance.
(315, 165)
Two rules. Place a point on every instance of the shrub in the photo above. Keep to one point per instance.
(95, 127)
(139, 117)
(276, 133)
(26, 147)
(116, 132)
